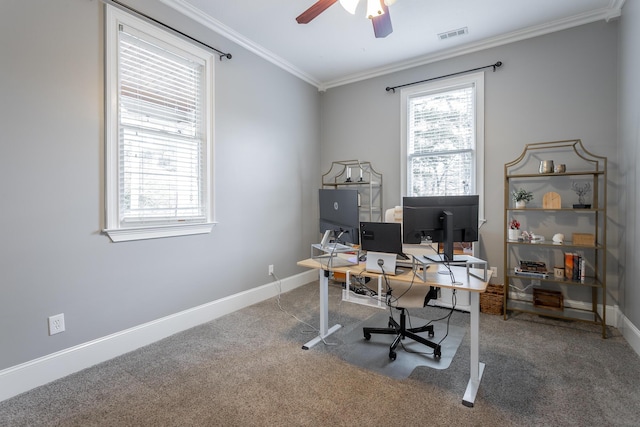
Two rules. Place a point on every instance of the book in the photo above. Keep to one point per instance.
(538, 274)
(534, 266)
(574, 267)
(568, 265)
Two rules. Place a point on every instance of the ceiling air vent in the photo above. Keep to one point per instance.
(453, 33)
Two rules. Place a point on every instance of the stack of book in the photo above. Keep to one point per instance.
(574, 267)
(532, 269)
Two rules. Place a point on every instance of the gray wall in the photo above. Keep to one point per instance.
(270, 127)
(553, 87)
(629, 158)
(53, 256)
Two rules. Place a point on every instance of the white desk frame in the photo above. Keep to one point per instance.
(325, 331)
(472, 283)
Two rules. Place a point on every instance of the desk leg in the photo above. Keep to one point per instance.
(325, 331)
(476, 368)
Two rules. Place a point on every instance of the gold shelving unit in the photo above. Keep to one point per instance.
(582, 298)
(359, 175)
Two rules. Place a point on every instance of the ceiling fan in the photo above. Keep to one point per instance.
(377, 11)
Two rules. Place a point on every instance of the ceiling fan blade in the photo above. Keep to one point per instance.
(382, 23)
(316, 9)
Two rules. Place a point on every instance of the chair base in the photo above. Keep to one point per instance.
(401, 332)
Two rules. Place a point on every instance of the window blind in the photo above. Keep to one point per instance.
(441, 142)
(161, 144)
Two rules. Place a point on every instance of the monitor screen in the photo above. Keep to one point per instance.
(339, 213)
(445, 219)
(381, 237)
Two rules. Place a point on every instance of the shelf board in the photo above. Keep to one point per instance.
(543, 175)
(338, 184)
(551, 244)
(576, 210)
(590, 282)
(567, 312)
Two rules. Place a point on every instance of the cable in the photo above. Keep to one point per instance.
(454, 301)
(447, 263)
(278, 283)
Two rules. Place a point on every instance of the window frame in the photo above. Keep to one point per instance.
(115, 228)
(475, 79)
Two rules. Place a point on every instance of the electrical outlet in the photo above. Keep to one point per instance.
(494, 271)
(56, 324)
(270, 269)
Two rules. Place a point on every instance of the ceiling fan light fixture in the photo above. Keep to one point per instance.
(350, 5)
(374, 8)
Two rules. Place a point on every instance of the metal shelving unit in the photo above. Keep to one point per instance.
(359, 175)
(583, 299)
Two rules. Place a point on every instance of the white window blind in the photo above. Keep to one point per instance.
(442, 136)
(441, 142)
(159, 107)
(161, 146)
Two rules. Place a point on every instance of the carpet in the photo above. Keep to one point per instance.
(374, 353)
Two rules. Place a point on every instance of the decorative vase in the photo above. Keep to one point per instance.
(520, 204)
(513, 234)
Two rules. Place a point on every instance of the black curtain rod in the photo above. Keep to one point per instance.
(221, 54)
(495, 66)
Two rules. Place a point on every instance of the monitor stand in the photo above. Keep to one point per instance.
(439, 258)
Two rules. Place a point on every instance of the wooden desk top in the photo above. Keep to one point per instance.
(434, 278)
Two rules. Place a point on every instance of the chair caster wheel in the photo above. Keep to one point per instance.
(392, 355)
(437, 353)
(367, 337)
(431, 334)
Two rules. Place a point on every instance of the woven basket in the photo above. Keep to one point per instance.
(491, 300)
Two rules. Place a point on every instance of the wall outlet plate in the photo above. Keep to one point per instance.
(56, 324)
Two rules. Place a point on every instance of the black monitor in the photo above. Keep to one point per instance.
(381, 237)
(339, 214)
(442, 219)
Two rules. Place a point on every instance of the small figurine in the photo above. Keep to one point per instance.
(581, 191)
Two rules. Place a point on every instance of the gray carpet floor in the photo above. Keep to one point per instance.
(248, 369)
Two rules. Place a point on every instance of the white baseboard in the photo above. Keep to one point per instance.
(630, 333)
(26, 376)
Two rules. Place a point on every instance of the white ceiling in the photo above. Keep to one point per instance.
(338, 48)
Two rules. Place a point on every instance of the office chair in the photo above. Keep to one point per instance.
(401, 331)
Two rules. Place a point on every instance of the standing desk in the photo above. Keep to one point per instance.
(471, 283)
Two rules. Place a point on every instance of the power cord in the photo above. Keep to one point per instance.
(454, 301)
(278, 283)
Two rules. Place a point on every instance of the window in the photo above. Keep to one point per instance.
(158, 132)
(443, 137)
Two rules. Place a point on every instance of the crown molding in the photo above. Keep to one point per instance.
(613, 11)
(213, 24)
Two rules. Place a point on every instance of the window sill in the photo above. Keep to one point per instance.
(156, 232)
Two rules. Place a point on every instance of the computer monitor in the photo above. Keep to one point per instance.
(442, 219)
(381, 237)
(339, 213)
